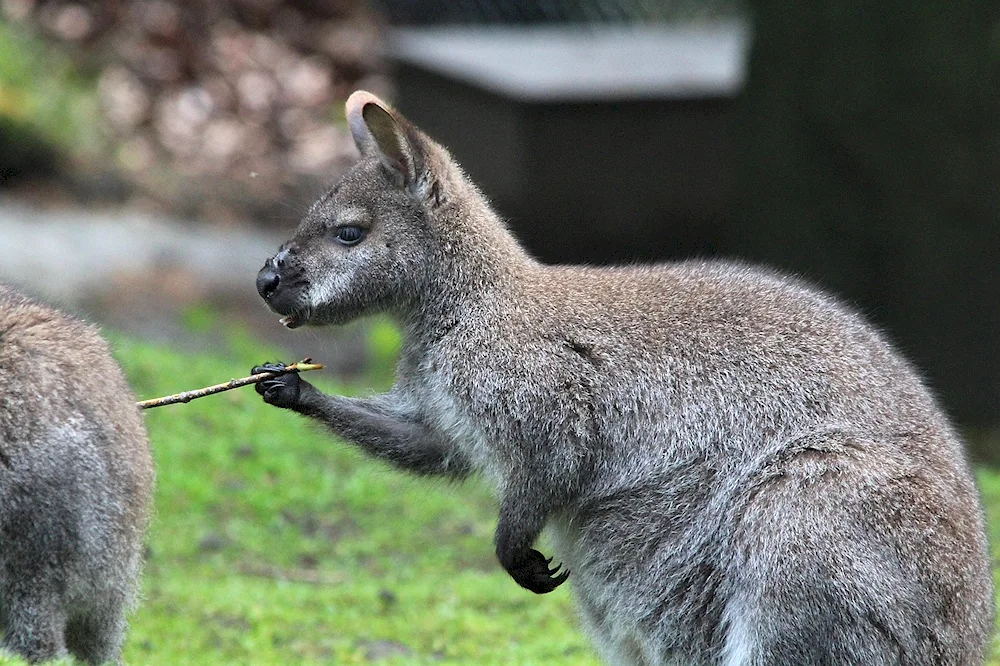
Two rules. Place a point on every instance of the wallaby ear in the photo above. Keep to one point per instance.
(376, 128)
(356, 121)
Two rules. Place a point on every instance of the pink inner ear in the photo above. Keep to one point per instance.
(355, 117)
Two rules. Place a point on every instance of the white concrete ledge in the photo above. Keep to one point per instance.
(65, 255)
(602, 63)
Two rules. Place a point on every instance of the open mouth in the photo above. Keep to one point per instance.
(293, 320)
(291, 306)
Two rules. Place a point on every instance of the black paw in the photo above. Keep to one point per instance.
(532, 572)
(280, 391)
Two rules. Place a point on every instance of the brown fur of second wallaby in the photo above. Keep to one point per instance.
(736, 467)
(76, 478)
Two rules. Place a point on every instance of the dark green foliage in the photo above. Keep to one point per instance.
(26, 155)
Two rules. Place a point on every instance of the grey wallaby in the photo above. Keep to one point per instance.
(736, 468)
(76, 478)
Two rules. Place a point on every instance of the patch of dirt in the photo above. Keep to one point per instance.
(381, 650)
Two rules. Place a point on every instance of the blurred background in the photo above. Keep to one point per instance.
(857, 147)
(154, 152)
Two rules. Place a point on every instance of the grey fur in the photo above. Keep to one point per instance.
(76, 477)
(737, 469)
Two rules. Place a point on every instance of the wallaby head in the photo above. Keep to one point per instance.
(365, 246)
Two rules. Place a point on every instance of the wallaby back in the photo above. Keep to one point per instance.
(76, 478)
(737, 468)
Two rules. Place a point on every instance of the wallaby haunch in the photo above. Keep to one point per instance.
(76, 477)
(736, 468)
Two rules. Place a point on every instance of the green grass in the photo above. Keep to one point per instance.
(989, 486)
(274, 544)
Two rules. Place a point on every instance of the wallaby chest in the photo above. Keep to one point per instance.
(442, 380)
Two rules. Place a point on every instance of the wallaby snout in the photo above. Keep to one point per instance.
(281, 284)
(268, 280)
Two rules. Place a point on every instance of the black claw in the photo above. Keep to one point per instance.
(533, 573)
(268, 367)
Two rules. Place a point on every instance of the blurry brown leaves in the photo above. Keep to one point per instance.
(238, 90)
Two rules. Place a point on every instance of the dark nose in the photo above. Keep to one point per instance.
(267, 280)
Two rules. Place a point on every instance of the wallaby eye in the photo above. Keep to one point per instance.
(350, 235)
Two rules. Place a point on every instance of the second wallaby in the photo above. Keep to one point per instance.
(76, 480)
(736, 468)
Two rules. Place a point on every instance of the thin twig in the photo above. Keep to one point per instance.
(188, 396)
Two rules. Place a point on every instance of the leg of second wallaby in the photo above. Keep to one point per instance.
(97, 637)
(35, 623)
